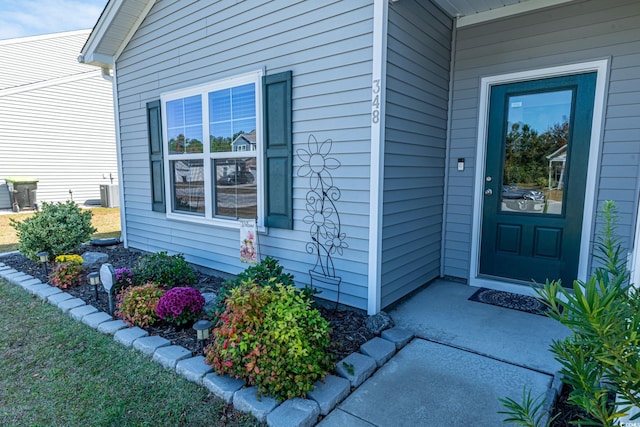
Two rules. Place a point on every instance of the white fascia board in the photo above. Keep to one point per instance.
(503, 12)
(98, 60)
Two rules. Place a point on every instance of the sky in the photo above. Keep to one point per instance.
(23, 18)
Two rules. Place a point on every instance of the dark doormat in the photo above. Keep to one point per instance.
(524, 303)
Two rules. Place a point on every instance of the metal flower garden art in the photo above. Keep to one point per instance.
(327, 238)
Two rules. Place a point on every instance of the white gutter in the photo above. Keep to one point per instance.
(376, 184)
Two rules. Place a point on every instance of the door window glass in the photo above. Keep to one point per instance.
(535, 160)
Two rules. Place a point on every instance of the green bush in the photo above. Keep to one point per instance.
(137, 304)
(58, 228)
(166, 270)
(265, 273)
(271, 337)
(601, 354)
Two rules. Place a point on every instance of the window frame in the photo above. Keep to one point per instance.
(209, 157)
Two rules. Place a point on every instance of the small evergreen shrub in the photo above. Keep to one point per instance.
(137, 304)
(58, 228)
(168, 270)
(271, 337)
(180, 305)
(67, 272)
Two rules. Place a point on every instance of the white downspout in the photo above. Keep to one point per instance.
(116, 112)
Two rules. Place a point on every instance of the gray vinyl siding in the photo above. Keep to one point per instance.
(418, 57)
(327, 46)
(570, 33)
(56, 117)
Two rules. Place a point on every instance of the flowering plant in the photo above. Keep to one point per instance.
(180, 305)
(124, 278)
(69, 258)
(67, 272)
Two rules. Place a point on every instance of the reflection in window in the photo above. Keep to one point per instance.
(236, 195)
(188, 186)
(184, 125)
(537, 137)
(232, 119)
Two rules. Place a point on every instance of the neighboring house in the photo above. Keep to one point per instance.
(422, 110)
(244, 142)
(56, 119)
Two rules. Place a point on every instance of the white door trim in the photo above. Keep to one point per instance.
(590, 208)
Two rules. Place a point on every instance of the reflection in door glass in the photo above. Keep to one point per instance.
(535, 158)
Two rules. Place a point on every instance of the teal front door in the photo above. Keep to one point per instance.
(534, 185)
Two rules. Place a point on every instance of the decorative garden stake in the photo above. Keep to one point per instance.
(108, 278)
(327, 237)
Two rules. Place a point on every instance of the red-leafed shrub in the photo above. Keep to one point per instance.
(271, 337)
(137, 304)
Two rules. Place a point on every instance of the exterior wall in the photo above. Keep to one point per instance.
(418, 58)
(328, 47)
(56, 118)
(571, 33)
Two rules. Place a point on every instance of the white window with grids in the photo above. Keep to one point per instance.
(212, 140)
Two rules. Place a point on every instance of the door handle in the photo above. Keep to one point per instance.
(488, 192)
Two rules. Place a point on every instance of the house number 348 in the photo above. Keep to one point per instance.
(375, 104)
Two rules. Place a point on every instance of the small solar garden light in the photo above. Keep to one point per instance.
(202, 331)
(44, 259)
(94, 280)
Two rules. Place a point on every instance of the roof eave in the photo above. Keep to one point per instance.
(110, 25)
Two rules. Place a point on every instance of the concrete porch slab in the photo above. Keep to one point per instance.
(442, 313)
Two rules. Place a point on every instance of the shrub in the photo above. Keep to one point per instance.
(58, 228)
(601, 354)
(180, 305)
(167, 270)
(271, 337)
(67, 272)
(137, 304)
(265, 273)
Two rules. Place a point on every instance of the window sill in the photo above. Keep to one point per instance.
(229, 224)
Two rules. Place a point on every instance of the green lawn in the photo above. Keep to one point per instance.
(59, 372)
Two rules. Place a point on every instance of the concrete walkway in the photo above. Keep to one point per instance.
(466, 356)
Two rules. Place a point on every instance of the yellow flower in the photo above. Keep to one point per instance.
(76, 259)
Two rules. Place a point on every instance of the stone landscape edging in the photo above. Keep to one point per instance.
(353, 370)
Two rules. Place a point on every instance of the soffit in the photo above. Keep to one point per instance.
(471, 12)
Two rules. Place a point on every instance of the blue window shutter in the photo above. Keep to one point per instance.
(278, 146)
(156, 163)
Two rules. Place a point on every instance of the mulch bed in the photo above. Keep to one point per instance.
(348, 326)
